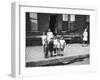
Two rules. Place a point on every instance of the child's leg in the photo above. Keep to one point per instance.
(58, 51)
(86, 44)
(55, 51)
(44, 48)
(46, 53)
(51, 53)
(62, 51)
(83, 43)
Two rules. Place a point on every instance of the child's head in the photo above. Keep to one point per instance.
(43, 33)
(49, 30)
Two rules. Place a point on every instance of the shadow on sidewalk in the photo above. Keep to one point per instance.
(59, 61)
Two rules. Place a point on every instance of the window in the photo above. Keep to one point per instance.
(65, 17)
(33, 21)
(72, 17)
(72, 23)
(65, 22)
(68, 22)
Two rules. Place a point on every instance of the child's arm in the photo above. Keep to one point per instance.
(64, 43)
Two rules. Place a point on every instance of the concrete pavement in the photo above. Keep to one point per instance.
(35, 53)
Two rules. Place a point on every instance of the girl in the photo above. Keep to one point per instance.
(63, 43)
(58, 47)
(85, 37)
(55, 42)
(44, 37)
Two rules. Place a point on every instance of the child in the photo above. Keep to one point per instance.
(51, 45)
(55, 42)
(63, 43)
(49, 35)
(58, 47)
(44, 37)
(85, 37)
(46, 49)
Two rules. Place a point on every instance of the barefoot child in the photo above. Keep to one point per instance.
(55, 42)
(85, 37)
(46, 49)
(44, 37)
(63, 43)
(58, 47)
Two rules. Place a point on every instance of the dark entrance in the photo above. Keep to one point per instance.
(53, 23)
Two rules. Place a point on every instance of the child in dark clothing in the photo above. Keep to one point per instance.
(51, 47)
(46, 49)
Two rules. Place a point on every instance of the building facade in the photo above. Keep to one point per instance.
(70, 25)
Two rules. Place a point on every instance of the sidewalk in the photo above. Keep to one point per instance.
(35, 53)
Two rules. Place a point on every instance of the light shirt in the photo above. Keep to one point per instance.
(43, 39)
(85, 36)
(62, 42)
(55, 41)
(49, 35)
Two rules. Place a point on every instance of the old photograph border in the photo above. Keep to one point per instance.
(21, 70)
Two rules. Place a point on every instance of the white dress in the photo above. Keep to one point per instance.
(62, 42)
(58, 45)
(85, 36)
(43, 39)
(55, 42)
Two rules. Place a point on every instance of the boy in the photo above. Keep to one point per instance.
(46, 49)
(51, 45)
(63, 43)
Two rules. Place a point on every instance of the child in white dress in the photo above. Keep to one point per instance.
(55, 42)
(63, 43)
(44, 38)
(85, 37)
(58, 47)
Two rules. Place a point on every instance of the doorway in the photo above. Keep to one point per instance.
(53, 23)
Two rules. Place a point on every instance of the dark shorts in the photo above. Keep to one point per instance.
(62, 49)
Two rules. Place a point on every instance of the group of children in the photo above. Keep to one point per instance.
(53, 45)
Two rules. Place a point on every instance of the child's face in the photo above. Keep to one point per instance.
(43, 33)
(49, 30)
